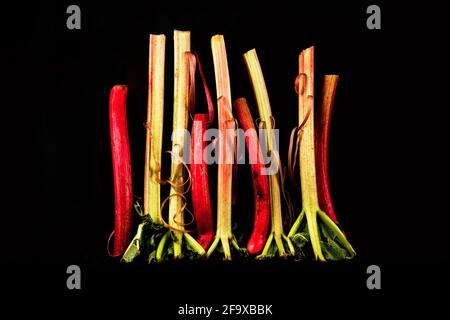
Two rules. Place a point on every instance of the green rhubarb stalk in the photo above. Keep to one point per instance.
(172, 239)
(155, 118)
(332, 245)
(227, 126)
(180, 121)
(277, 238)
(153, 143)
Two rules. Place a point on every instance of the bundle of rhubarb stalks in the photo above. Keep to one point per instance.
(173, 227)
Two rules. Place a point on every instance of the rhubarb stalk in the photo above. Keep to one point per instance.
(276, 237)
(332, 245)
(154, 129)
(120, 149)
(260, 182)
(322, 131)
(177, 201)
(225, 148)
(201, 201)
(180, 121)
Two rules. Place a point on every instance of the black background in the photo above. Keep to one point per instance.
(59, 177)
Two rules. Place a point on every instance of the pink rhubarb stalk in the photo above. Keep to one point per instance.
(201, 200)
(322, 131)
(120, 148)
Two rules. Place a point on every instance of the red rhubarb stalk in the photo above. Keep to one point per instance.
(123, 196)
(201, 200)
(322, 142)
(260, 182)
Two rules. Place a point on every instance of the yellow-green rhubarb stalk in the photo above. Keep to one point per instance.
(277, 239)
(153, 144)
(227, 128)
(327, 240)
(179, 129)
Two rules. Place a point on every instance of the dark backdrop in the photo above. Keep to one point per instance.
(59, 175)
